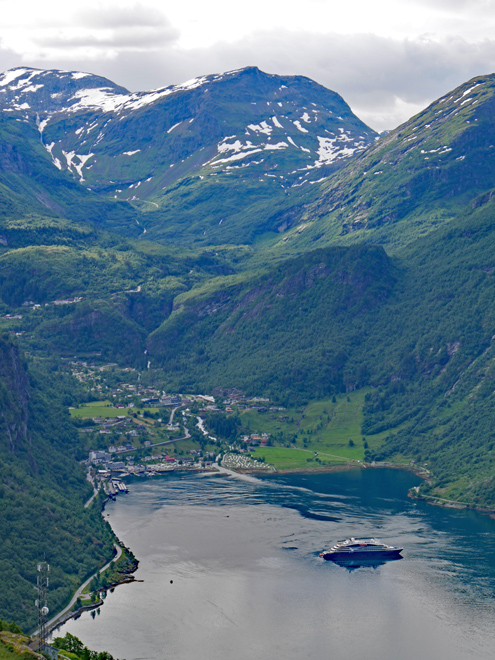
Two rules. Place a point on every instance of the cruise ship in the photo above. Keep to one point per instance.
(351, 549)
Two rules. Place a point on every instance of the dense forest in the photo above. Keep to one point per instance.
(42, 491)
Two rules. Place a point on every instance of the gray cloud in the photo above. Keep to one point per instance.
(456, 5)
(8, 59)
(124, 38)
(136, 27)
(126, 17)
(385, 81)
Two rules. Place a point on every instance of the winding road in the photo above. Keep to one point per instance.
(53, 622)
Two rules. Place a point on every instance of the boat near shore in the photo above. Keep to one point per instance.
(352, 549)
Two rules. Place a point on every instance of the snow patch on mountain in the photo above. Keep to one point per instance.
(297, 124)
(82, 162)
(468, 91)
(108, 100)
(263, 127)
(55, 161)
(71, 159)
(279, 145)
(174, 126)
(331, 149)
(32, 88)
(237, 156)
(7, 77)
(236, 147)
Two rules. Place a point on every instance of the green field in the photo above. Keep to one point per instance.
(105, 409)
(99, 409)
(283, 458)
(330, 427)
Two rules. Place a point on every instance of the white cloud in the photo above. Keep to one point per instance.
(133, 16)
(456, 6)
(120, 39)
(384, 80)
(412, 52)
(55, 30)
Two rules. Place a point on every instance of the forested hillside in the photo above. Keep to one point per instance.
(292, 333)
(418, 329)
(42, 492)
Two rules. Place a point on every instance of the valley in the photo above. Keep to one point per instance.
(242, 250)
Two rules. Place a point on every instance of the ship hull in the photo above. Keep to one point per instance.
(352, 555)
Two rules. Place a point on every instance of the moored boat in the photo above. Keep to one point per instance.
(352, 549)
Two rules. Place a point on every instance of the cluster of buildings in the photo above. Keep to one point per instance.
(109, 424)
(255, 440)
(65, 301)
(107, 469)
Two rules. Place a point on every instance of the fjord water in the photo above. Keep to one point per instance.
(230, 569)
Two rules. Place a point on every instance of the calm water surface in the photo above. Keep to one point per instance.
(230, 569)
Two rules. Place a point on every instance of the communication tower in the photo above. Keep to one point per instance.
(41, 603)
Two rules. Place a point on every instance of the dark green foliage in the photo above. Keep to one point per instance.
(437, 378)
(226, 427)
(74, 645)
(42, 492)
(290, 334)
(10, 627)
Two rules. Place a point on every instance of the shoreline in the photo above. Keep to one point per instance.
(412, 494)
(66, 613)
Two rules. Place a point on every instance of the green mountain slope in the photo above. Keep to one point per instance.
(42, 493)
(77, 289)
(412, 180)
(175, 153)
(32, 188)
(313, 306)
(418, 329)
(290, 333)
(439, 390)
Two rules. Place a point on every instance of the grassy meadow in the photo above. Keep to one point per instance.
(99, 409)
(323, 433)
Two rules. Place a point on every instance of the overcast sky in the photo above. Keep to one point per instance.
(387, 58)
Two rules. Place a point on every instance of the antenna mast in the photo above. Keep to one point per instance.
(41, 603)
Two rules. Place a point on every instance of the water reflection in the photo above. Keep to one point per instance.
(231, 568)
(354, 564)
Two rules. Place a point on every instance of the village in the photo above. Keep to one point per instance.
(133, 429)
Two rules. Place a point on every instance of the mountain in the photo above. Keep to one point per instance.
(379, 276)
(290, 333)
(175, 152)
(43, 488)
(410, 181)
(33, 189)
(415, 332)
